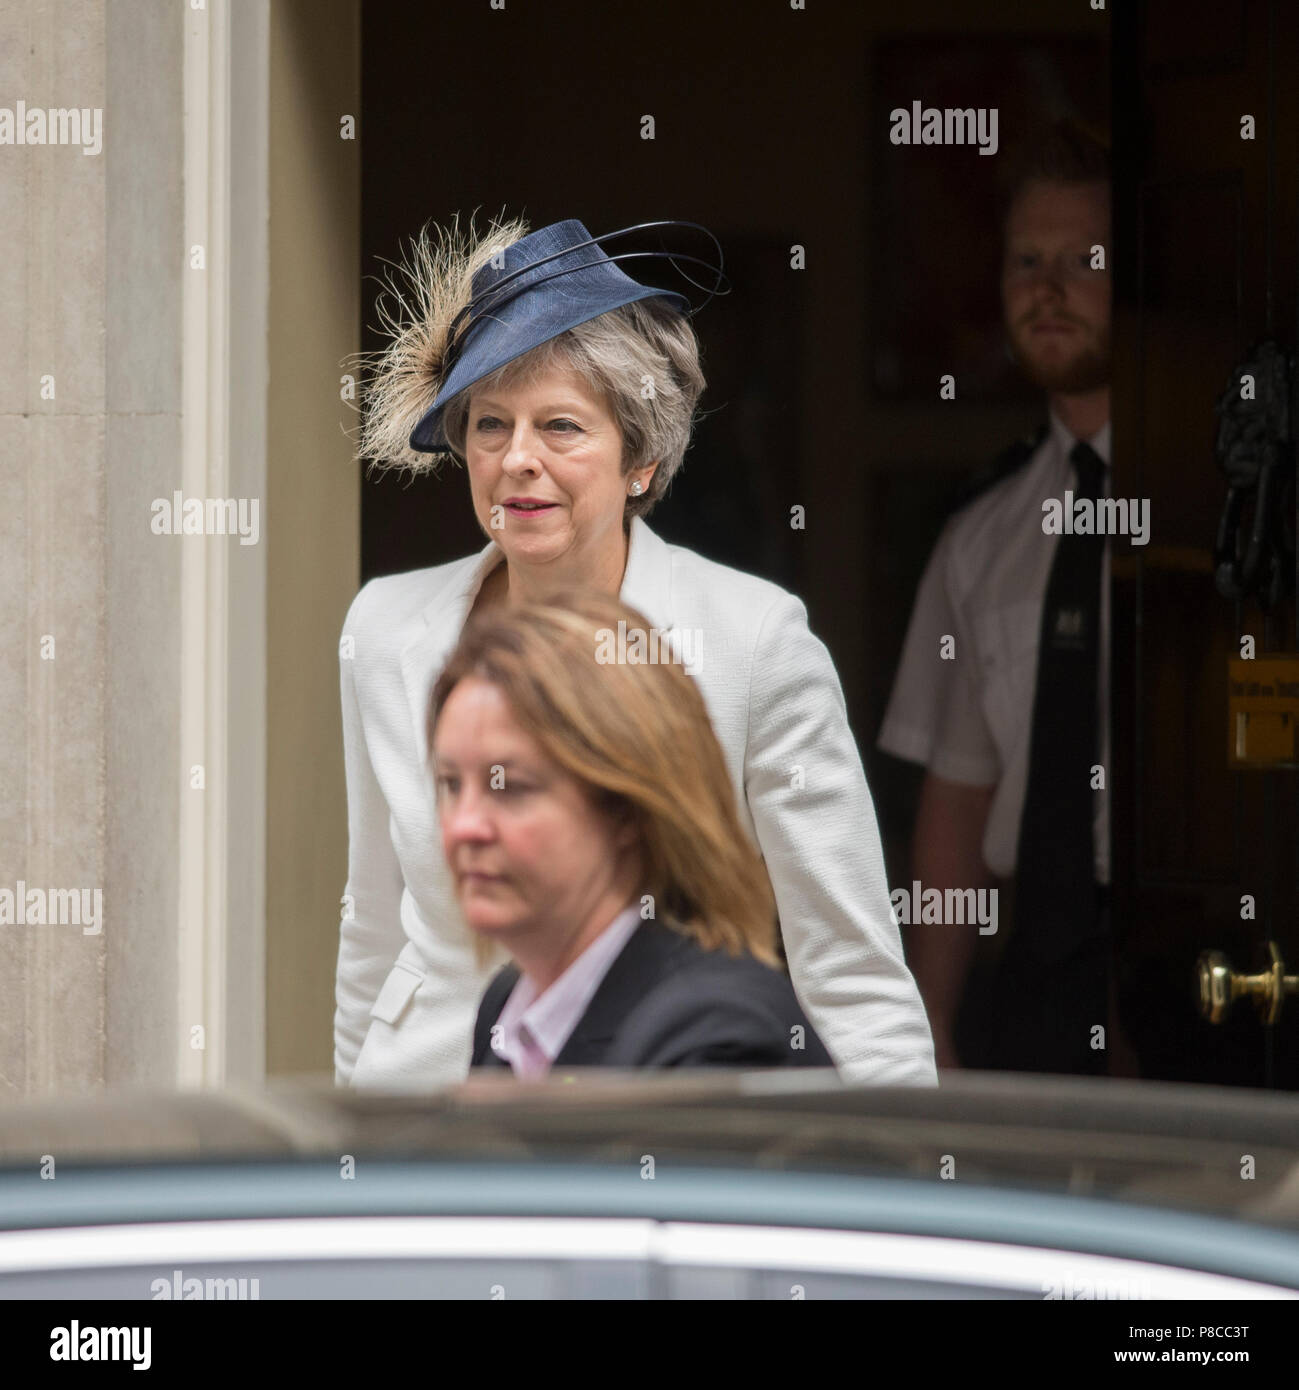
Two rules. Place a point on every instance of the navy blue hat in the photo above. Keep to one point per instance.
(551, 280)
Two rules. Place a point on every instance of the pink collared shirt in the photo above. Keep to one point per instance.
(532, 1028)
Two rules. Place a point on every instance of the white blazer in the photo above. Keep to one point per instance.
(408, 984)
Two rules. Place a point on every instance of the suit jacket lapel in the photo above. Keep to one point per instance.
(646, 585)
(435, 635)
(638, 965)
(647, 580)
(489, 1013)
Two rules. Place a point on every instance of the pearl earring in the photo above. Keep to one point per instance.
(637, 488)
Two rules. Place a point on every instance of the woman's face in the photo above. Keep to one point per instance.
(550, 441)
(530, 852)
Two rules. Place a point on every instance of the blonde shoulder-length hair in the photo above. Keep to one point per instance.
(639, 738)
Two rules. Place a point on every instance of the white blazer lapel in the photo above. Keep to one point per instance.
(647, 580)
(437, 630)
(646, 585)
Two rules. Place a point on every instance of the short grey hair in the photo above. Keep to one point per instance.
(643, 359)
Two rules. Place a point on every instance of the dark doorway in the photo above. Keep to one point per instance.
(1206, 857)
(768, 133)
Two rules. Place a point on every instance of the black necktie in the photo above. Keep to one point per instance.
(1055, 892)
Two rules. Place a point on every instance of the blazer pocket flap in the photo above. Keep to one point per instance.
(395, 994)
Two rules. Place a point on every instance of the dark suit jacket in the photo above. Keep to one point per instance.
(666, 1002)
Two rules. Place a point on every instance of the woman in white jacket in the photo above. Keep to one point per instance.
(568, 391)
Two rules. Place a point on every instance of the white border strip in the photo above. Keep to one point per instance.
(935, 1259)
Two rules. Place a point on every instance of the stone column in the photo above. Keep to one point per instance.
(90, 293)
(132, 369)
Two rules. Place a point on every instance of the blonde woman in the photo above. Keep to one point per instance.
(529, 358)
(589, 824)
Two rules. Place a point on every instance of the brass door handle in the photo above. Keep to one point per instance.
(1221, 986)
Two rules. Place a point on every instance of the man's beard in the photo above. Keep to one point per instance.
(1087, 370)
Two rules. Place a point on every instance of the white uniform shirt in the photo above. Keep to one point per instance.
(970, 719)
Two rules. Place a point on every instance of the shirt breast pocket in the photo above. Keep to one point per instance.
(1007, 642)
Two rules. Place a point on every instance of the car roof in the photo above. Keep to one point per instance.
(1216, 1150)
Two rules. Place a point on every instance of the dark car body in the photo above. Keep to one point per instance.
(608, 1185)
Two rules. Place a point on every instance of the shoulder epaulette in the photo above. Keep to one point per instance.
(1009, 461)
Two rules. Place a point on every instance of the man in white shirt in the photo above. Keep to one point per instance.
(963, 700)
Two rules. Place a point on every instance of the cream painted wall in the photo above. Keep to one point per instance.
(312, 511)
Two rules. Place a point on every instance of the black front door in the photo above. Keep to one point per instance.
(1206, 854)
